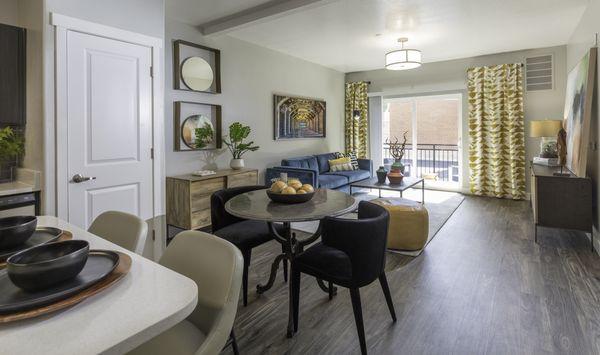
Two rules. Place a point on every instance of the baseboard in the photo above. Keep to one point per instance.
(596, 239)
(467, 191)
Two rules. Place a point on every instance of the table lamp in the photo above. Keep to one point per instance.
(547, 130)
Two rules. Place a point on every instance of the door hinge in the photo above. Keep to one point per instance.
(151, 153)
(152, 72)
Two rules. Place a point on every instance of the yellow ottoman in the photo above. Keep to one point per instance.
(409, 223)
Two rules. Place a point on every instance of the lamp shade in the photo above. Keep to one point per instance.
(545, 128)
(403, 59)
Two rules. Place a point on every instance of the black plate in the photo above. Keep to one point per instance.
(42, 235)
(100, 264)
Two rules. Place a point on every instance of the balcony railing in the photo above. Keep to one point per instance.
(434, 161)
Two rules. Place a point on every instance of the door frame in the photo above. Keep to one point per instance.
(454, 94)
(55, 142)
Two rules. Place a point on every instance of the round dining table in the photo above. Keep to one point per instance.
(256, 205)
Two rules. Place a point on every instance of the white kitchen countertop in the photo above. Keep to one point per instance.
(27, 181)
(15, 187)
(147, 301)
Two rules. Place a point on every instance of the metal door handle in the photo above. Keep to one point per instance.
(78, 178)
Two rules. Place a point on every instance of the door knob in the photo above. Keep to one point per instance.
(78, 178)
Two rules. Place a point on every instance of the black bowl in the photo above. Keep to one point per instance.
(46, 265)
(284, 198)
(16, 230)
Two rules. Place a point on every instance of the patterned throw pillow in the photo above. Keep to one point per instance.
(352, 156)
(340, 164)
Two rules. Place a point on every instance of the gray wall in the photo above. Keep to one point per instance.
(450, 76)
(583, 38)
(249, 77)
(9, 12)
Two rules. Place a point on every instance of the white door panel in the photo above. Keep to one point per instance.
(109, 91)
(127, 197)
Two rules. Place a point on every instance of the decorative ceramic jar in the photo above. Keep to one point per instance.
(395, 176)
(381, 175)
(398, 166)
(236, 164)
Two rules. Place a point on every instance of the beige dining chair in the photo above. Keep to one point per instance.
(124, 229)
(216, 266)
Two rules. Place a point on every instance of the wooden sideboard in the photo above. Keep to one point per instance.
(188, 196)
(560, 201)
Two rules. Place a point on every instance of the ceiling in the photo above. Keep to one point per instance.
(354, 35)
(197, 12)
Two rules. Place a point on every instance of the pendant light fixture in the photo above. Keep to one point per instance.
(403, 59)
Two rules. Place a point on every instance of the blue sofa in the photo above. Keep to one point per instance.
(314, 169)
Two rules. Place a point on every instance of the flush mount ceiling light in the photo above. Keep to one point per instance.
(403, 59)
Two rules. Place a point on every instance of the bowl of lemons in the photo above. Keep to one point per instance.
(292, 191)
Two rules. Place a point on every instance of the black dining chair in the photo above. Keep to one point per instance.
(351, 254)
(244, 234)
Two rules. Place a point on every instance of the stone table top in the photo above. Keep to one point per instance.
(257, 205)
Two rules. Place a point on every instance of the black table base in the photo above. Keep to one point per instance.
(291, 248)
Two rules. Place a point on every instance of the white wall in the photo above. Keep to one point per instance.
(583, 38)
(141, 16)
(249, 77)
(451, 76)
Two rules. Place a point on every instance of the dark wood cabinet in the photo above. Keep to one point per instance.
(560, 201)
(12, 76)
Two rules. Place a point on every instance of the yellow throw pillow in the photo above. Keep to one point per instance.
(340, 164)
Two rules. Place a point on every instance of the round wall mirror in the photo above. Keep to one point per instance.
(188, 131)
(197, 74)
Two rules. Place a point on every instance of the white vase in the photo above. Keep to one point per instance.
(236, 164)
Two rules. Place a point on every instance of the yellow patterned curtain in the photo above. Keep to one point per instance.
(496, 131)
(357, 120)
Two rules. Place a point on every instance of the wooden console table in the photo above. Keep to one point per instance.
(188, 196)
(561, 201)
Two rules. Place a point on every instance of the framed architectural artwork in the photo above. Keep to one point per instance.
(578, 111)
(197, 126)
(298, 117)
(196, 67)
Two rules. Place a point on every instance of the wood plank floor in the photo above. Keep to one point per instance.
(481, 287)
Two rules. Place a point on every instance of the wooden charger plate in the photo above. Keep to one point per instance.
(65, 235)
(118, 273)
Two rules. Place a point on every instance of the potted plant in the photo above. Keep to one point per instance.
(204, 136)
(235, 144)
(11, 147)
(397, 150)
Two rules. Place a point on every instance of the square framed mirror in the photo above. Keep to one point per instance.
(196, 68)
(197, 126)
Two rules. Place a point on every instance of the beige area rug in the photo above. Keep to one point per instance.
(440, 205)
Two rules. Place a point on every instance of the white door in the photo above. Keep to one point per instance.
(109, 127)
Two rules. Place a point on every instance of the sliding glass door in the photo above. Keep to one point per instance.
(432, 127)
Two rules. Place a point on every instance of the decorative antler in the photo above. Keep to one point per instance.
(397, 149)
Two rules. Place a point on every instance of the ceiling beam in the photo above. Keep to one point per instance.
(255, 14)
